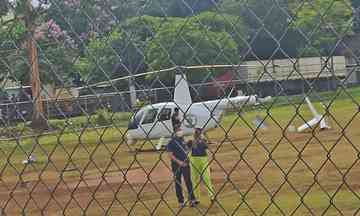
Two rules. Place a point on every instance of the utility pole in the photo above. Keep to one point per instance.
(38, 121)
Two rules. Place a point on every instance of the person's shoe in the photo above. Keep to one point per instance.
(194, 203)
(181, 205)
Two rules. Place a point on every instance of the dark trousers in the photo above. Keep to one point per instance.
(185, 172)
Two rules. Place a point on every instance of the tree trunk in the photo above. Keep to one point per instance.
(38, 118)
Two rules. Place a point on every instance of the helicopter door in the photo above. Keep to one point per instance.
(164, 123)
(157, 124)
(148, 121)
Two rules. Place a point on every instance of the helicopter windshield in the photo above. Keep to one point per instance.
(135, 120)
(150, 116)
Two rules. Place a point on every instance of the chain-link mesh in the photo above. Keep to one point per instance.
(111, 107)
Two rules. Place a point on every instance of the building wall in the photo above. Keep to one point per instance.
(287, 87)
(352, 73)
(290, 69)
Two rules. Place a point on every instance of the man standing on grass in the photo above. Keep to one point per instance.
(175, 119)
(180, 167)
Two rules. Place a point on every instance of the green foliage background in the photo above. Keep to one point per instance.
(117, 38)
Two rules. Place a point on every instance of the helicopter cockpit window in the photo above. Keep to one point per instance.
(135, 121)
(165, 114)
(138, 116)
(150, 116)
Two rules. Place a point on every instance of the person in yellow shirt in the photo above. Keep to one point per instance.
(200, 169)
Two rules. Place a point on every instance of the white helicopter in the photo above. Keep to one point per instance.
(154, 121)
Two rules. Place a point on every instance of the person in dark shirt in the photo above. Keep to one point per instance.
(175, 119)
(180, 167)
(200, 168)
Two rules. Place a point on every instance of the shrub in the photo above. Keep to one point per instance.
(103, 117)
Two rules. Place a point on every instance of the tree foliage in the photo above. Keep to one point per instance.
(220, 22)
(324, 13)
(196, 45)
(56, 48)
(323, 21)
(4, 7)
(267, 25)
(176, 8)
(55, 64)
(153, 42)
(113, 38)
(269, 17)
(109, 56)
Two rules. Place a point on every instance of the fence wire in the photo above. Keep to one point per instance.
(179, 107)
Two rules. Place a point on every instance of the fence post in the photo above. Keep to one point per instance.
(132, 90)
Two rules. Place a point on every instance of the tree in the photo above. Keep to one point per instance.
(30, 15)
(156, 8)
(30, 66)
(186, 8)
(268, 27)
(356, 14)
(11, 36)
(25, 14)
(182, 44)
(100, 58)
(323, 21)
(81, 17)
(222, 22)
(266, 16)
(112, 55)
(176, 8)
(57, 52)
(120, 52)
(57, 49)
(275, 24)
(4, 8)
(204, 39)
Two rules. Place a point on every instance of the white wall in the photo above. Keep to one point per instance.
(311, 67)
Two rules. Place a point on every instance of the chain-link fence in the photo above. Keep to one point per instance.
(179, 107)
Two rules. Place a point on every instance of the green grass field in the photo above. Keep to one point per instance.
(255, 172)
